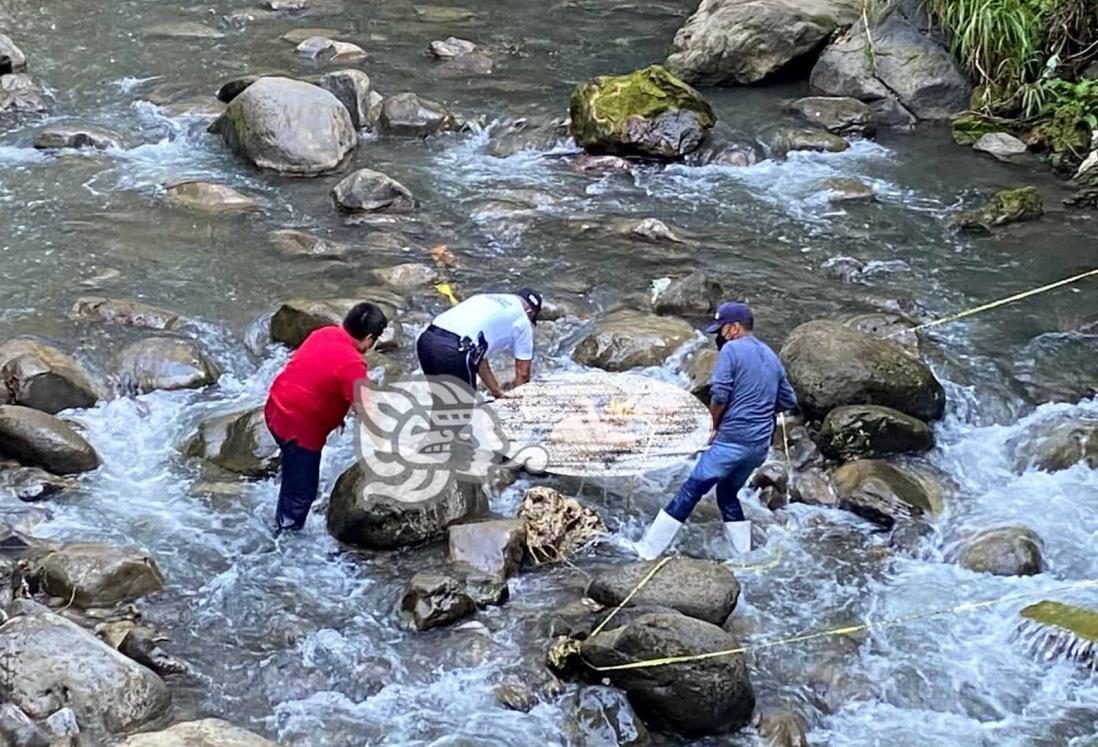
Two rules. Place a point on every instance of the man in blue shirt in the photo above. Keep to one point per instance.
(748, 388)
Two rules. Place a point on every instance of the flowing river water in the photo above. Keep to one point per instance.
(296, 638)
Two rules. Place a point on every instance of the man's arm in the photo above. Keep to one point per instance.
(787, 398)
(716, 411)
(522, 371)
(720, 390)
(523, 350)
(489, 378)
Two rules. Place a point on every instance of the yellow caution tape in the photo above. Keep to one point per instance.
(447, 291)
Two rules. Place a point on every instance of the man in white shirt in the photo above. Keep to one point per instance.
(458, 342)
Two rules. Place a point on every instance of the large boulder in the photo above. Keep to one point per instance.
(60, 665)
(92, 574)
(288, 126)
(409, 115)
(648, 113)
(296, 319)
(703, 589)
(628, 339)
(238, 442)
(366, 509)
(352, 88)
(209, 197)
(738, 42)
(556, 526)
(369, 191)
(209, 732)
(711, 696)
(36, 374)
(1056, 443)
(693, 294)
(166, 363)
(903, 72)
(839, 114)
(495, 547)
(830, 365)
(1004, 551)
(38, 439)
(882, 493)
(431, 601)
(855, 431)
(126, 312)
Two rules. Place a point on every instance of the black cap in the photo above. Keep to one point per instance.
(533, 298)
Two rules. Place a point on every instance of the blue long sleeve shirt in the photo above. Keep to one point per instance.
(750, 379)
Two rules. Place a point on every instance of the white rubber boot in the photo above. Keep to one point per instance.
(739, 536)
(659, 536)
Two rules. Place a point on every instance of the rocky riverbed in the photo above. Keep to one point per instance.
(166, 242)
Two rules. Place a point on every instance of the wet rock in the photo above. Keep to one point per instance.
(772, 482)
(238, 442)
(887, 326)
(830, 365)
(18, 730)
(781, 729)
(385, 512)
(30, 484)
(352, 88)
(38, 375)
(1056, 444)
(842, 115)
(230, 89)
(296, 36)
(287, 6)
(476, 63)
(698, 367)
(789, 139)
(12, 59)
(647, 113)
(210, 732)
(92, 574)
(409, 115)
(738, 42)
(20, 95)
(182, 30)
(323, 49)
(652, 230)
(408, 276)
(451, 47)
(433, 601)
(62, 665)
(76, 135)
(37, 439)
(724, 154)
(1006, 206)
(487, 590)
(1005, 551)
(881, 492)
(589, 164)
(294, 243)
(296, 319)
(847, 189)
(516, 136)
(712, 696)
(495, 547)
(602, 716)
(1001, 145)
(369, 191)
(198, 107)
(703, 589)
(1054, 629)
(125, 311)
(209, 197)
(629, 339)
(855, 431)
(166, 363)
(288, 126)
(515, 696)
(691, 295)
(556, 526)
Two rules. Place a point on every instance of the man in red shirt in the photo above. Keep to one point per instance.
(310, 398)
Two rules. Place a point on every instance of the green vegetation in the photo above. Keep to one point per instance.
(1028, 58)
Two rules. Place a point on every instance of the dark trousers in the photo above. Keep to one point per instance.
(725, 465)
(443, 353)
(300, 481)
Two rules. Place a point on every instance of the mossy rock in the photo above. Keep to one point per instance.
(968, 129)
(1079, 621)
(1055, 630)
(1006, 206)
(855, 431)
(648, 113)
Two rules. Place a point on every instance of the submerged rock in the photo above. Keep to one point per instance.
(20, 95)
(842, 115)
(433, 600)
(369, 191)
(692, 295)
(781, 729)
(1004, 551)
(37, 439)
(556, 526)
(451, 47)
(294, 243)
(62, 665)
(855, 431)
(125, 311)
(93, 574)
(648, 113)
(324, 49)
(409, 115)
(408, 276)
(830, 365)
(629, 339)
(601, 717)
(703, 589)
(524, 134)
(166, 363)
(739, 42)
(848, 189)
(353, 89)
(30, 484)
(495, 547)
(209, 732)
(38, 375)
(199, 107)
(711, 696)
(182, 30)
(367, 510)
(789, 139)
(209, 197)
(288, 126)
(652, 230)
(1006, 206)
(1001, 145)
(60, 136)
(881, 492)
(238, 442)
(1056, 444)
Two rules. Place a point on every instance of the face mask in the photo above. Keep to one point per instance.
(720, 341)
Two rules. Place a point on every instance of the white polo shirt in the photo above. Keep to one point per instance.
(500, 316)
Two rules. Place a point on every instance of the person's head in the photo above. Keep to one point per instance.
(365, 323)
(531, 301)
(732, 321)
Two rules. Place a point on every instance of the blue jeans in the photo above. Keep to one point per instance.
(725, 465)
(300, 481)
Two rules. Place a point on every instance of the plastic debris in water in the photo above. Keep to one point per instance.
(1053, 630)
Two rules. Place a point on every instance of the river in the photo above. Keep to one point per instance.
(296, 638)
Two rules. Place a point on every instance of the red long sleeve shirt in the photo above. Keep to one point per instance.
(310, 397)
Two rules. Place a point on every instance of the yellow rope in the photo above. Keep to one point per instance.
(845, 630)
(636, 590)
(447, 291)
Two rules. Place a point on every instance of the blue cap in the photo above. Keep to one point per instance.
(730, 312)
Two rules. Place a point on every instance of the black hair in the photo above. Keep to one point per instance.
(365, 320)
(748, 324)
